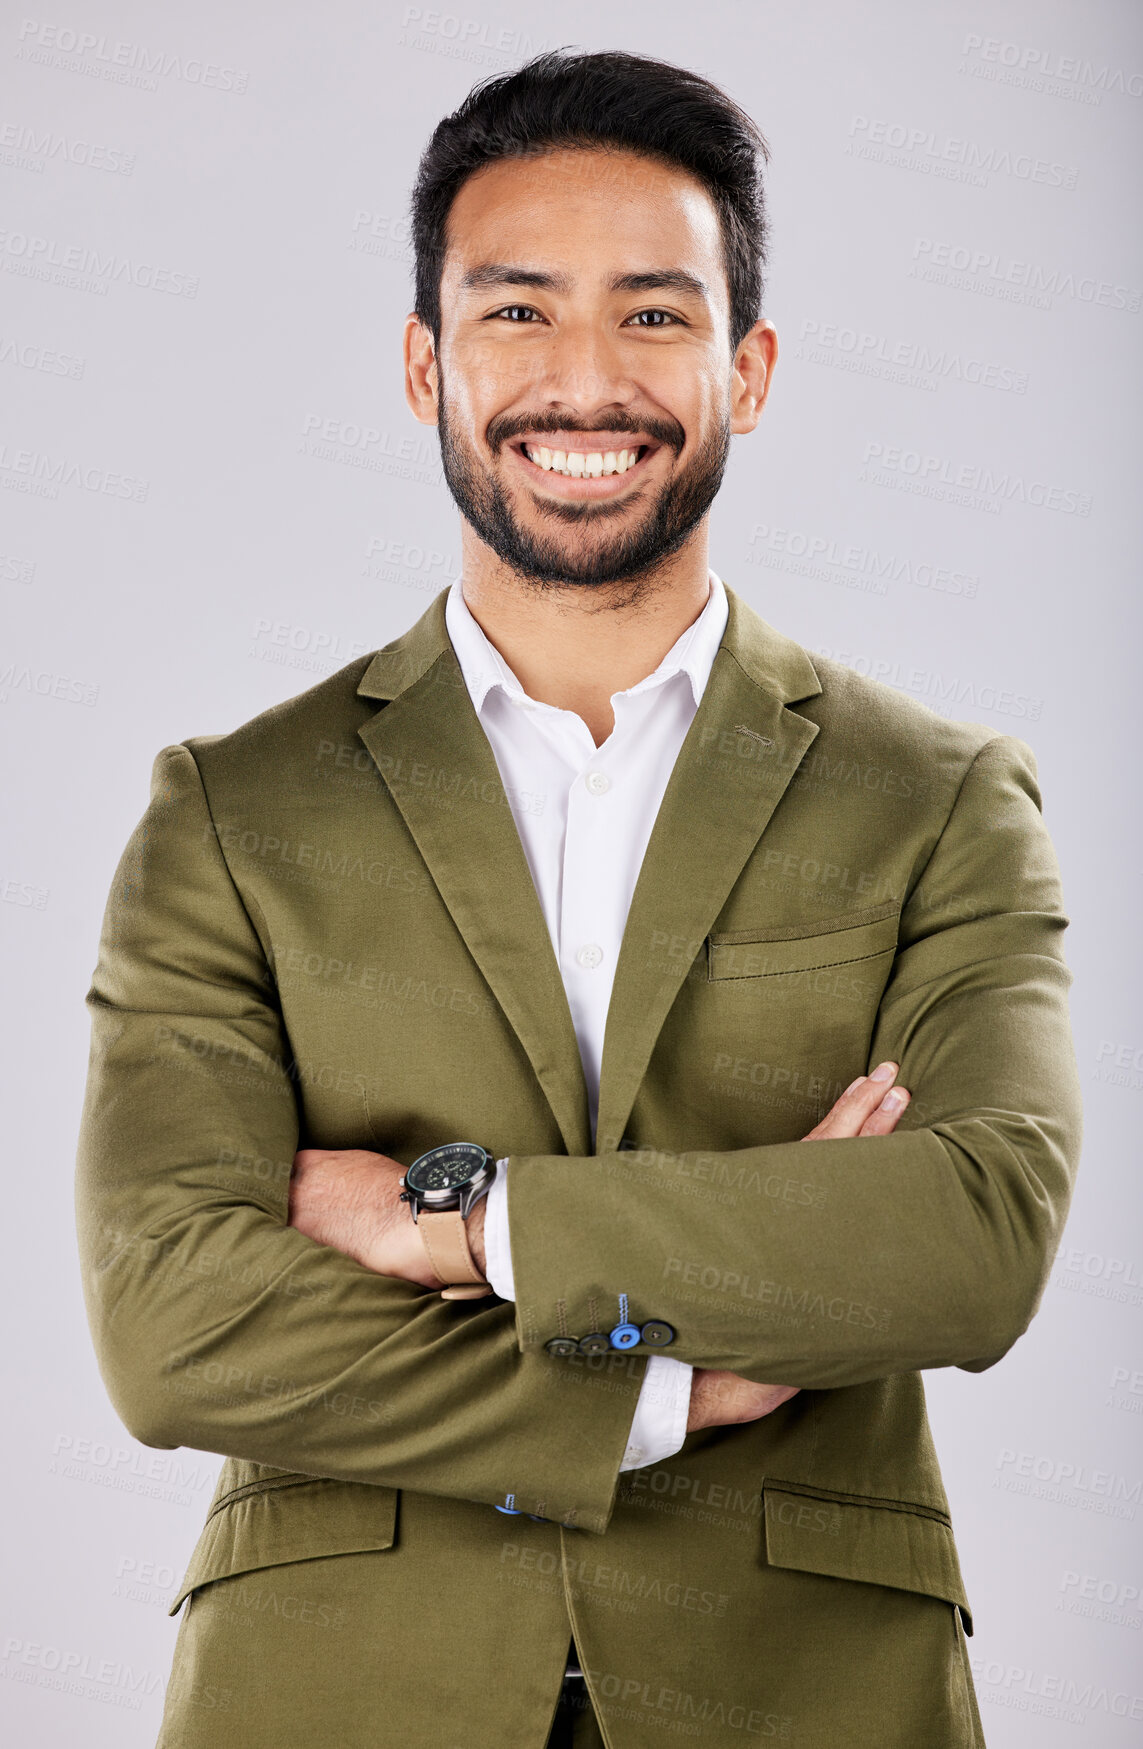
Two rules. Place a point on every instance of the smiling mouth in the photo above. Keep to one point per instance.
(578, 464)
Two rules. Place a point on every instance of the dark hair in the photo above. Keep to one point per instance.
(611, 99)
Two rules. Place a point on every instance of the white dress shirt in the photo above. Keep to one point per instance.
(584, 815)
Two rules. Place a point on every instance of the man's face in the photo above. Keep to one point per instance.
(584, 367)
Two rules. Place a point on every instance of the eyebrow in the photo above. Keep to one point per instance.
(497, 273)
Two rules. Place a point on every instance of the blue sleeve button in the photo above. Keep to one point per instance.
(625, 1336)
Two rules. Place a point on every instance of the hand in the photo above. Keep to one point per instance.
(870, 1107)
(724, 1399)
(350, 1198)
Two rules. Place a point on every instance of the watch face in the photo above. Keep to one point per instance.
(446, 1168)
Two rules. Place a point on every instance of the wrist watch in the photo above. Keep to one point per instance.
(442, 1188)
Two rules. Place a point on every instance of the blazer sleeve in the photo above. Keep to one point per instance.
(927, 1247)
(218, 1326)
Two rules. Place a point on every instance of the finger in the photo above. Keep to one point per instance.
(860, 1098)
(881, 1121)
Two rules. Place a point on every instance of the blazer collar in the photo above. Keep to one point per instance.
(739, 755)
(401, 664)
(768, 656)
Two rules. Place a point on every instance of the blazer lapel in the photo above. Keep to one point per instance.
(441, 772)
(739, 755)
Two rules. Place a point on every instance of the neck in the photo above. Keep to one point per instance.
(574, 645)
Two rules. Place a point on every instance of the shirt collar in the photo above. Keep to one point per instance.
(484, 668)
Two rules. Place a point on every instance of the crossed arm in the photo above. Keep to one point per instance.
(350, 1199)
(219, 1325)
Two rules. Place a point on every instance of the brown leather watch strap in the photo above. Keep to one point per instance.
(445, 1238)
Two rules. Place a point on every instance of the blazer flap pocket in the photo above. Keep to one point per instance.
(294, 1518)
(242, 1476)
(879, 1542)
(762, 953)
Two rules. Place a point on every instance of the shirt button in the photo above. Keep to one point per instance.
(597, 782)
(590, 956)
(634, 1454)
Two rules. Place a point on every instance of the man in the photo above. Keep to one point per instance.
(595, 889)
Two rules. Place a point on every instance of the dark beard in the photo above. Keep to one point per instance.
(636, 554)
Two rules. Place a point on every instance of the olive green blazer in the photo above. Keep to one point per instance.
(323, 932)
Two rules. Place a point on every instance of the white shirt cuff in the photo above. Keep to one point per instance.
(497, 1249)
(659, 1425)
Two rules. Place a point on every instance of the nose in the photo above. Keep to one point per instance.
(584, 370)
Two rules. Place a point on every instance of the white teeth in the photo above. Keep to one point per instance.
(577, 465)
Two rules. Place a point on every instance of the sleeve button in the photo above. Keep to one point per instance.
(597, 1342)
(625, 1336)
(656, 1334)
(562, 1346)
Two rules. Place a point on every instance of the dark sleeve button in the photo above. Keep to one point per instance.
(656, 1334)
(625, 1335)
(598, 1342)
(562, 1346)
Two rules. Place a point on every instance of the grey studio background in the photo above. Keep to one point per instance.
(214, 495)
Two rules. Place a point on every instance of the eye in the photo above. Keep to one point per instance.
(513, 311)
(666, 314)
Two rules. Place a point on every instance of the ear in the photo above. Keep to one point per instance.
(420, 370)
(750, 378)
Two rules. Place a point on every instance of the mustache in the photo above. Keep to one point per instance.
(503, 430)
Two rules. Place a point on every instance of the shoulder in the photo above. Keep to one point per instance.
(285, 749)
(894, 711)
(895, 738)
(306, 740)
(897, 730)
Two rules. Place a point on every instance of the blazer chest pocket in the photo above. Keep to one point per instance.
(789, 954)
(905, 1546)
(285, 1517)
